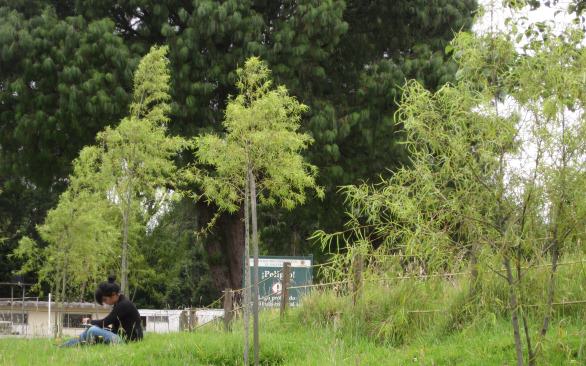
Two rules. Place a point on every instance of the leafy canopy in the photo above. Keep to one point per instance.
(262, 124)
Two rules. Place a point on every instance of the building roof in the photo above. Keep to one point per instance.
(45, 304)
(160, 311)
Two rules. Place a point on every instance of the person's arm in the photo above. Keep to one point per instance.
(117, 313)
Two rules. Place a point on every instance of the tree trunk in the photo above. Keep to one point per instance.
(530, 352)
(514, 312)
(59, 319)
(295, 240)
(124, 264)
(247, 292)
(82, 292)
(224, 247)
(550, 288)
(473, 271)
(555, 243)
(255, 294)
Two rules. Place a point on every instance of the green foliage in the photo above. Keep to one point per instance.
(345, 59)
(463, 194)
(351, 114)
(262, 125)
(258, 159)
(396, 310)
(461, 189)
(62, 78)
(81, 235)
(129, 170)
(137, 155)
(175, 272)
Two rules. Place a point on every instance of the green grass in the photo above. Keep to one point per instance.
(294, 342)
(395, 322)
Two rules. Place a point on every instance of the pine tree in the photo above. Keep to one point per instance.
(345, 59)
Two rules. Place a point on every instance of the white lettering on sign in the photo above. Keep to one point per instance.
(275, 274)
(275, 301)
(278, 262)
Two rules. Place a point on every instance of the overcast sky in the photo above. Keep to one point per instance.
(522, 162)
(500, 13)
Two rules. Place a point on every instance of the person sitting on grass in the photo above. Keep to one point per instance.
(124, 319)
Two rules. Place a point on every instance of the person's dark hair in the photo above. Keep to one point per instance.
(108, 288)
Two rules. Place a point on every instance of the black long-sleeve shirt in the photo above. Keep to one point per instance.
(123, 315)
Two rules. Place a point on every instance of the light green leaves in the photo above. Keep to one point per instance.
(494, 158)
(112, 186)
(262, 124)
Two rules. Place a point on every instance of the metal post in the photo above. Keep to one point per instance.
(22, 312)
(357, 277)
(49, 317)
(285, 288)
(11, 306)
(228, 306)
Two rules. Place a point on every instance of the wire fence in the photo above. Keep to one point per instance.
(24, 320)
(409, 277)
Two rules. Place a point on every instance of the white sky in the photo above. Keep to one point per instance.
(500, 13)
(522, 164)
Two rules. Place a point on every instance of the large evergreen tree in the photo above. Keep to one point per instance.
(345, 59)
(61, 80)
(352, 115)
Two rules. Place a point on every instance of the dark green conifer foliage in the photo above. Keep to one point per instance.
(346, 60)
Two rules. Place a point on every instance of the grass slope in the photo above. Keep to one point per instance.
(290, 343)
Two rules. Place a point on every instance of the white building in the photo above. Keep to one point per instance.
(162, 321)
(35, 320)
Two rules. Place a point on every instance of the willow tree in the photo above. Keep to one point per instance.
(552, 89)
(465, 192)
(137, 155)
(257, 160)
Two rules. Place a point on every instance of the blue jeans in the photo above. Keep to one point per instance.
(91, 335)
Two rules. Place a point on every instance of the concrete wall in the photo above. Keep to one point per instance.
(37, 324)
(157, 321)
(161, 321)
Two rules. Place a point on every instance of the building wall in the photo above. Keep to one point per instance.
(161, 321)
(37, 322)
(157, 321)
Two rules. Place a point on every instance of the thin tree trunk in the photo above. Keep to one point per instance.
(62, 305)
(555, 244)
(551, 287)
(528, 200)
(528, 339)
(530, 351)
(295, 240)
(57, 309)
(82, 293)
(246, 301)
(473, 270)
(124, 264)
(514, 314)
(255, 294)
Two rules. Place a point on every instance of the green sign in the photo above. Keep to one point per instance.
(270, 279)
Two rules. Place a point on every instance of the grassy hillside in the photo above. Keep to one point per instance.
(400, 321)
(293, 342)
